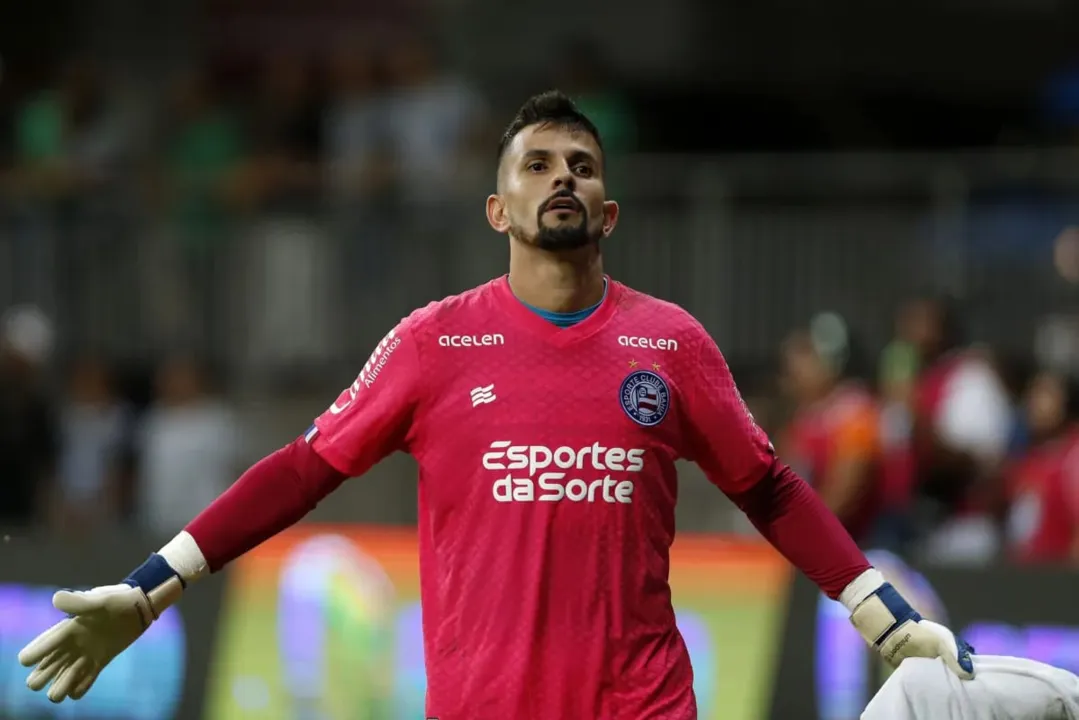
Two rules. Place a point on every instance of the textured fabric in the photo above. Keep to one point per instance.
(547, 493)
(567, 319)
(273, 494)
(790, 515)
(1004, 688)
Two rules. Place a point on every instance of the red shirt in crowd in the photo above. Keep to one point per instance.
(1043, 493)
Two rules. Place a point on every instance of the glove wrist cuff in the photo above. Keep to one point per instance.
(861, 588)
(873, 620)
(159, 582)
(182, 553)
(164, 595)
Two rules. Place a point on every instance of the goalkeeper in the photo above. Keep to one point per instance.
(544, 585)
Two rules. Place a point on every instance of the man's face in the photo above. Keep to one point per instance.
(551, 190)
(1046, 404)
(805, 374)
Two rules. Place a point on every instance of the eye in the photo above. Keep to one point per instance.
(583, 169)
(536, 166)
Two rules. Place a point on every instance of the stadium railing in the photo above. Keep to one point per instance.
(288, 300)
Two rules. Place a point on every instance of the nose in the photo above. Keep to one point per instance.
(565, 180)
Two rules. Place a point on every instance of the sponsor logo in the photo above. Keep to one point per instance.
(645, 398)
(463, 341)
(483, 395)
(538, 473)
(647, 343)
(371, 370)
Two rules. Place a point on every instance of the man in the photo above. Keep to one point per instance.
(1006, 688)
(833, 437)
(961, 423)
(1041, 487)
(29, 429)
(546, 410)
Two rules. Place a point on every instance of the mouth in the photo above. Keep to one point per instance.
(562, 205)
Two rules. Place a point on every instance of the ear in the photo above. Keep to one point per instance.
(610, 217)
(496, 214)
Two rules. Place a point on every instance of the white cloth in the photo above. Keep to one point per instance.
(1004, 688)
(975, 415)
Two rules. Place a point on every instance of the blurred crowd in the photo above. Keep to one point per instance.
(121, 208)
(100, 450)
(378, 142)
(941, 449)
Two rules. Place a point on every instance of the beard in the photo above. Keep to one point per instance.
(563, 236)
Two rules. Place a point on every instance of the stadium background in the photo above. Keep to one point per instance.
(212, 211)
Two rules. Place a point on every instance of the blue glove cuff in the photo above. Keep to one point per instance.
(153, 573)
(897, 606)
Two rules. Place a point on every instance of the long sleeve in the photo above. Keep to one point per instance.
(275, 493)
(738, 458)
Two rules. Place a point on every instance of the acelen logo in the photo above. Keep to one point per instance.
(463, 341)
(535, 483)
(371, 370)
(647, 343)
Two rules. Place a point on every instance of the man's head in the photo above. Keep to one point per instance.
(817, 357)
(551, 190)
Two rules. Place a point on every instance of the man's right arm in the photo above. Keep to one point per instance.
(274, 494)
(368, 421)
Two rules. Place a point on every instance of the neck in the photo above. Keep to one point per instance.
(556, 281)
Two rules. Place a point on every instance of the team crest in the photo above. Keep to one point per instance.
(645, 397)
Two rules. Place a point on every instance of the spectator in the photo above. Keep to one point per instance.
(587, 78)
(962, 424)
(188, 449)
(285, 131)
(202, 182)
(437, 121)
(202, 153)
(360, 174)
(833, 439)
(356, 128)
(28, 430)
(1041, 487)
(896, 377)
(73, 143)
(71, 137)
(95, 431)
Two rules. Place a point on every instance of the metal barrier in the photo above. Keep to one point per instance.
(750, 245)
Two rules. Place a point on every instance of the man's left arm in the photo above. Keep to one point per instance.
(737, 457)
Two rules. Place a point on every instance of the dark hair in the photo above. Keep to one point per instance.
(550, 108)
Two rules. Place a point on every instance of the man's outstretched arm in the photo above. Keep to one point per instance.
(737, 456)
(369, 420)
(274, 494)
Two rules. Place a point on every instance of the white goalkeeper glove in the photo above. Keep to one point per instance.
(891, 626)
(101, 624)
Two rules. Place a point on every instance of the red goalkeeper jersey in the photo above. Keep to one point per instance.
(547, 493)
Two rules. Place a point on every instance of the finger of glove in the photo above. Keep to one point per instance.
(69, 678)
(49, 668)
(84, 686)
(45, 643)
(78, 603)
(961, 664)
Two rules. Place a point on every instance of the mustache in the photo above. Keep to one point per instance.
(562, 195)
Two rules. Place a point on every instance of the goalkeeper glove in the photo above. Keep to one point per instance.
(889, 624)
(101, 624)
